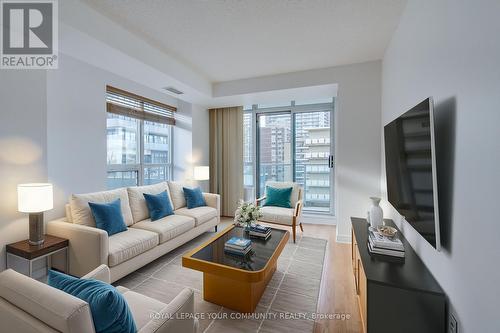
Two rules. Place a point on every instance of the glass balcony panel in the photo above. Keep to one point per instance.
(312, 150)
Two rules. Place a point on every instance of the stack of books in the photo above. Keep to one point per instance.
(380, 244)
(260, 231)
(238, 246)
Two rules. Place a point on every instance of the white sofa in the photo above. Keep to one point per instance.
(29, 306)
(143, 241)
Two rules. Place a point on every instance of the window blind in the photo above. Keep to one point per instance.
(131, 105)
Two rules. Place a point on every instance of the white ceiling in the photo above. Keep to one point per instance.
(236, 39)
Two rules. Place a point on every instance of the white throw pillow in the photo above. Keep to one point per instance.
(80, 210)
(138, 203)
(177, 194)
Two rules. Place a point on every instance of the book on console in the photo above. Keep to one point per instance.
(386, 252)
(381, 241)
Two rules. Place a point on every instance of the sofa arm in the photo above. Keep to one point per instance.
(177, 316)
(88, 247)
(40, 303)
(101, 273)
(212, 200)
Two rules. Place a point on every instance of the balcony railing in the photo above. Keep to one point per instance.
(318, 142)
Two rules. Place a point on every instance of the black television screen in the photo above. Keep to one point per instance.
(410, 165)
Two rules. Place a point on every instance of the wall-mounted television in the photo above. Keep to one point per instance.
(410, 164)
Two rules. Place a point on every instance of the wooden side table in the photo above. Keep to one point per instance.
(21, 255)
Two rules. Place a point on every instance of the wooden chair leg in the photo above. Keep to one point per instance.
(293, 233)
(300, 225)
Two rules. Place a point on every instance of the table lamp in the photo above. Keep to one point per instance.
(201, 173)
(35, 199)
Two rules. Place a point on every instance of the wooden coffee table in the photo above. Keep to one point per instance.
(236, 282)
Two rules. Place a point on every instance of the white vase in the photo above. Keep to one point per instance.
(376, 215)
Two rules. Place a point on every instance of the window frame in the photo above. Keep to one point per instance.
(139, 168)
(294, 109)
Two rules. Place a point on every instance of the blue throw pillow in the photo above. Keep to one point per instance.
(159, 205)
(108, 216)
(110, 311)
(278, 197)
(194, 197)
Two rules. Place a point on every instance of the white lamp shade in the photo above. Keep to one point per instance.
(34, 198)
(201, 173)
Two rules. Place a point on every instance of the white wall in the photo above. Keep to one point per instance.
(183, 160)
(201, 144)
(450, 50)
(23, 111)
(76, 126)
(357, 129)
(108, 44)
(53, 128)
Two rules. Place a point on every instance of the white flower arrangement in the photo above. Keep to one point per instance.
(247, 213)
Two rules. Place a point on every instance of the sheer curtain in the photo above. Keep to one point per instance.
(226, 156)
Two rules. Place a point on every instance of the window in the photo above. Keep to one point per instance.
(139, 139)
(247, 149)
(292, 143)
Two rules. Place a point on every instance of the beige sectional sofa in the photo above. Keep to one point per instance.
(144, 240)
(29, 306)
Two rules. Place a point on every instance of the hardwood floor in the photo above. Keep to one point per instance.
(337, 292)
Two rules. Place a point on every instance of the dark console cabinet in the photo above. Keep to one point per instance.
(395, 295)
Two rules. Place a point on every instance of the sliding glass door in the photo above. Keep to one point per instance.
(292, 143)
(274, 143)
(314, 159)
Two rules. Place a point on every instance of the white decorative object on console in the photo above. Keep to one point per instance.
(375, 214)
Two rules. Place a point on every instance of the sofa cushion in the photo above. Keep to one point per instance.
(142, 307)
(168, 227)
(102, 298)
(177, 194)
(138, 205)
(277, 215)
(278, 197)
(200, 214)
(296, 191)
(194, 197)
(80, 210)
(128, 244)
(159, 205)
(108, 216)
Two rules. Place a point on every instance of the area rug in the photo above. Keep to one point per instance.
(288, 304)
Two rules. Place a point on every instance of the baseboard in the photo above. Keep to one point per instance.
(346, 239)
(318, 219)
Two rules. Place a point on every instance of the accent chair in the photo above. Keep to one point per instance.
(280, 215)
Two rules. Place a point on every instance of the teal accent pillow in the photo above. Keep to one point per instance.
(194, 197)
(278, 197)
(108, 216)
(110, 311)
(159, 205)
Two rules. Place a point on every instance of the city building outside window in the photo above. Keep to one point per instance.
(291, 143)
(139, 139)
